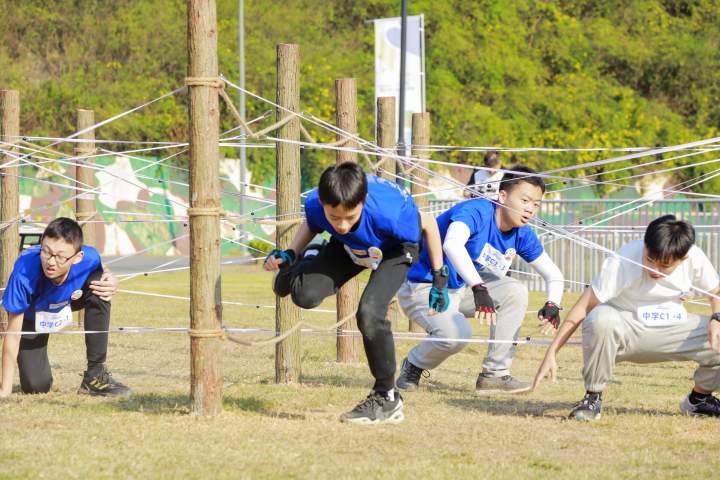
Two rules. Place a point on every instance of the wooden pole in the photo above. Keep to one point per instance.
(348, 297)
(386, 138)
(385, 134)
(287, 315)
(205, 300)
(420, 140)
(9, 188)
(85, 179)
(84, 176)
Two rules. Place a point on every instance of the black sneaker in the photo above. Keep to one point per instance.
(409, 379)
(588, 408)
(103, 385)
(376, 408)
(709, 407)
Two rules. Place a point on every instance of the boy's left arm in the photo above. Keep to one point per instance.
(439, 299)
(714, 323)
(431, 233)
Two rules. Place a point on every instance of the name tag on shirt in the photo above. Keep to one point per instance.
(496, 261)
(369, 258)
(669, 313)
(49, 322)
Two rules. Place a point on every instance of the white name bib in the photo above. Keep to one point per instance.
(496, 261)
(669, 313)
(369, 258)
(48, 322)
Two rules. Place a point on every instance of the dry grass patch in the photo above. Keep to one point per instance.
(292, 431)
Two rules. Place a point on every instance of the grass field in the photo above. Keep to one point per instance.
(292, 431)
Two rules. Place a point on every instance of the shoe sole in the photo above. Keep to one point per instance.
(582, 418)
(495, 391)
(409, 388)
(82, 391)
(393, 419)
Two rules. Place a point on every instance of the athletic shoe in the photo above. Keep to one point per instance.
(103, 385)
(486, 385)
(282, 282)
(588, 408)
(375, 409)
(709, 407)
(409, 379)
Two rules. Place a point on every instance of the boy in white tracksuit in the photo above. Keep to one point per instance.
(633, 312)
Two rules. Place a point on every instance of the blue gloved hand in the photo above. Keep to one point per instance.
(439, 298)
(287, 257)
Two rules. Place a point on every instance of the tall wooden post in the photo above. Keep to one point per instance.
(9, 189)
(85, 179)
(386, 138)
(205, 301)
(420, 178)
(84, 176)
(385, 134)
(287, 315)
(348, 297)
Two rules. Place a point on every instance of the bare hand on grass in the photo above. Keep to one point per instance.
(548, 368)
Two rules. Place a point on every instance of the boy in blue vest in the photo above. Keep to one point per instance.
(48, 282)
(374, 224)
(480, 240)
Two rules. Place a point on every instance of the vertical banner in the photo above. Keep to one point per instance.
(387, 65)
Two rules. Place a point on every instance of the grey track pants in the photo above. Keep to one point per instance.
(511, 298)
(611, 336)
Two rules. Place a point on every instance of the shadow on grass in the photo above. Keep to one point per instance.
(332, 380)
(510, 406)
(173, 404)
(525, 407)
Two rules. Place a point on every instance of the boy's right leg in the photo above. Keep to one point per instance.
(96, 379)
(604, 338)
(445, 330)
(33, 363)
(313, 278)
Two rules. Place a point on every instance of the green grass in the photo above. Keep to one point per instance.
(292, 431)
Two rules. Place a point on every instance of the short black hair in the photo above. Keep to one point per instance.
(668, 239)
(343, 184)
(66, 229)
(492, 159)
(518, 174)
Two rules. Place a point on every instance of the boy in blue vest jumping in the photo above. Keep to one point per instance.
(374, 224)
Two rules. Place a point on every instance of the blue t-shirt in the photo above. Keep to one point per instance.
(389, 218)
(487, 245)
(29, 290)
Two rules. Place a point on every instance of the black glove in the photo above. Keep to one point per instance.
(551, 313)
(483, 301)
(439, 298)
(288, 257)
